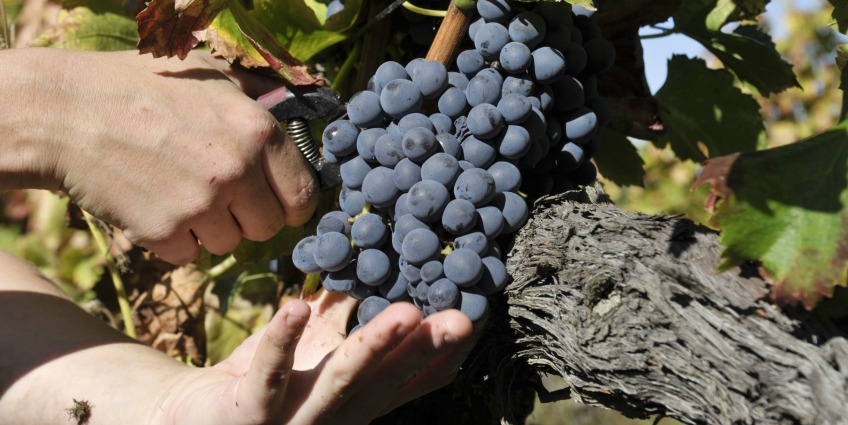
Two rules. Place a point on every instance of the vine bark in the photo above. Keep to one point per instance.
(629, 311)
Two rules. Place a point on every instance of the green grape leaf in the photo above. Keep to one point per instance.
(281, 244)
(619, 161)
(722, 121)
(82, 29)
(786, 207)
(297, 26)
(840, 14)
(749, 53)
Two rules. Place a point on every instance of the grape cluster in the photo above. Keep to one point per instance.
(439, 166)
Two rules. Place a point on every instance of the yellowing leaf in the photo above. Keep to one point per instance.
(82, 29)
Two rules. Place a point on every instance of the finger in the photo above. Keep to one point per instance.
(263, 388)
(257, 210)
(218, 231)
(360, 354)
(441, 336)
(291, 178)
(180, 248)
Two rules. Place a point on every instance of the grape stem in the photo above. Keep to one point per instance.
(453, 29)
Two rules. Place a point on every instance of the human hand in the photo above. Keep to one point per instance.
(173, 151)
(279, 376)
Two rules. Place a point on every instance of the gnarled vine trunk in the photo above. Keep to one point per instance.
(630, 311)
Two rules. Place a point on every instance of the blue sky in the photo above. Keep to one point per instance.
(659, 50)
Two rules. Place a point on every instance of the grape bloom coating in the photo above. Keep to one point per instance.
(431, 198)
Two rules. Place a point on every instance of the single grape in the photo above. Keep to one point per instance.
(354, 171)
(369, 231)
(419, 143)
(410, 271)
(528, 28)
(449, 144)
(485, 121)
(339, 137)
(556, 15)
(432, 271)
(379, 188)
(388, 150)
(459, 216)
(422, 292)
(470, 62)
(453, 102)
(443, 294)
(441, 167)
(478, 153)
(548, 65)
(351, 201)
(494, 10)
(332, 251)
(427, 199)
(370, 307)
(515, 84)
(506, 175)
(580, 124)
(514, 108)
(420, 246)
(491, 221)
(515, 57)
(514, 142)
(431, 77)
(362, 291)
(570, 157)
(372, 267)
(513, 209)
(457, 79)
(406, 174)
(416, 119)
(303, 257)
(343, 281)
(394, 288)
(329, 224)
(568, 94)
(463, 267)
(495, 276)
(367, 141)
(483, 88)
(576, 57)
(441, 123)
(400, 97)
(364, 109)
(387, 72)
(475, 185)
(475, 241)
(342, 217)
(473, 304)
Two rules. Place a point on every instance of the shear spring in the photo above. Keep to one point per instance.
(298, 130)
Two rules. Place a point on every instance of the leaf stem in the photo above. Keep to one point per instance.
(123, 301)
(351, 59)
(217, 270)
(422, 11)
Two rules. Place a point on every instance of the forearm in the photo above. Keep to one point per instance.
(28, 139)
(53, 353)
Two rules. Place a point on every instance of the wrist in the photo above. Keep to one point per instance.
(29, 150)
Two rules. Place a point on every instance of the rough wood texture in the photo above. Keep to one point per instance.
(630, 310)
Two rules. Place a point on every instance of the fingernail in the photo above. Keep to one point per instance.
(296, 319)
(450, 339)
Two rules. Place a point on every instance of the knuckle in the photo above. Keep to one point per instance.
(303, 201)
(262, 234)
